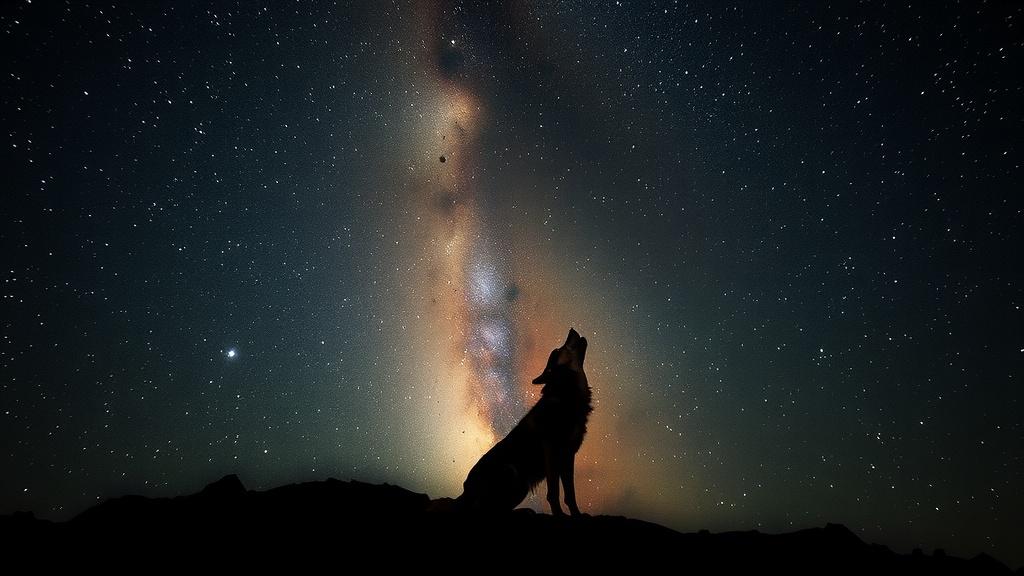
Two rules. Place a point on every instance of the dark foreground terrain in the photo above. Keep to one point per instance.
(353, 526)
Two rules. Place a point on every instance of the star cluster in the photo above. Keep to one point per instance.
(309, 240)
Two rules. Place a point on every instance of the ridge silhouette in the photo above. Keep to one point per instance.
(392, 527)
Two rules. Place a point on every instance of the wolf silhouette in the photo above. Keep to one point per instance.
(542, 445)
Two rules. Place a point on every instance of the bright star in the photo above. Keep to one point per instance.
(231, 353)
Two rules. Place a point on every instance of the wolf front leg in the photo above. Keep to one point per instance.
(551, 463)
(567, 471)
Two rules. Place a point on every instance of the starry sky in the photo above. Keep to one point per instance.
(305, 240)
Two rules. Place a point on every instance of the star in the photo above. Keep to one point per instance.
(231, 353)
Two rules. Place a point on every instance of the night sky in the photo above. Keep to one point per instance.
(299, 241)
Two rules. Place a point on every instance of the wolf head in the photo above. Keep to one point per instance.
(565, 361)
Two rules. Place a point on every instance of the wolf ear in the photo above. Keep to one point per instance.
(549, 368)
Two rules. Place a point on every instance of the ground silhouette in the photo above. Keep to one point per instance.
(358, 524)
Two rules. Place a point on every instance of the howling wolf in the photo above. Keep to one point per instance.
(543, 444)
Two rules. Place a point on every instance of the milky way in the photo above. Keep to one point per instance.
(474, 289)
